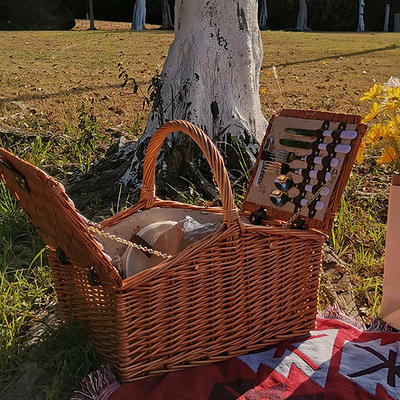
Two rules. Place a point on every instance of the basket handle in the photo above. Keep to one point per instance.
(214, 159)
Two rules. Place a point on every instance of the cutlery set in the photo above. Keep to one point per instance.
(284, 157)
(302, 169)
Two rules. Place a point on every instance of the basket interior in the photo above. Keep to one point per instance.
(135, 222)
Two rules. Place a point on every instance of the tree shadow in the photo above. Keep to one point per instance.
(356, 53)
(74, 90)
(53, 366)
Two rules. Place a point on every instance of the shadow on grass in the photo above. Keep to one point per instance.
(336, 56)
(52, 368)
(75, 90)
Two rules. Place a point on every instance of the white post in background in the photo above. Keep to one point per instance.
(387, 15)
(302, 16)
(361, 24)
(139, 16)
(396, 23)
(91, 16)
(263, 15)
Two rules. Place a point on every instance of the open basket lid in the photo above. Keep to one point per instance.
(303, 151)
(54, 216)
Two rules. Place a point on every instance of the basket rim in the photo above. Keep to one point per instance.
(149, 273)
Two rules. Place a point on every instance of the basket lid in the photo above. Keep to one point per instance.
(54, 216)
(303, 166)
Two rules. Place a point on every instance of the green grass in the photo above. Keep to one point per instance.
(359, 232)
(64, 355)
(52, 368)
(25, 281)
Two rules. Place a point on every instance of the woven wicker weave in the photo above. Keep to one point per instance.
(238, 290)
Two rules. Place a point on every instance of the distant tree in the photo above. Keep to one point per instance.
(166, 15)
(91, 16)
(139, 16)
(302, 16)
(263, 15)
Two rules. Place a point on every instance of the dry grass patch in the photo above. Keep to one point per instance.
(54, 72)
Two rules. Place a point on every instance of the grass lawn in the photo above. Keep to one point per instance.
(57, 87)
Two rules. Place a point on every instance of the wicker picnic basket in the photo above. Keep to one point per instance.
(238, 290)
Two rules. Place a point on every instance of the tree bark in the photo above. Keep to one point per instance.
(166, 16)
(302, 16)
(263, 15)
(139, 16)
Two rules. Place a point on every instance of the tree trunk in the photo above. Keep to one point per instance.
(139, 16)
(91, 16)
(210, 78)
(166, 16)
(361, 24)
(302, 16)
(263, 15)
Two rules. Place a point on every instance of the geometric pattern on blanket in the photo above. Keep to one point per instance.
(343, 363)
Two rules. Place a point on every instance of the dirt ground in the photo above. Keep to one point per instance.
(83, 25)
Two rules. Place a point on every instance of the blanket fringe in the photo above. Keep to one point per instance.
(99, 385)
(378, 325)
(334, 312)
(375, 325)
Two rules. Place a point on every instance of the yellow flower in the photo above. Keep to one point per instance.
(388, 156)
(392, 100)
(263, 90)
(392, 105)
(360, 154)
(392, 92)
(390, 130)
(384, 131)
(373, 113)
(375, 91)
(374, 134)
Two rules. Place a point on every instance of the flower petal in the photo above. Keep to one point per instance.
(373, 113)
(388, 156)
(360, 153)
(393, 82)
